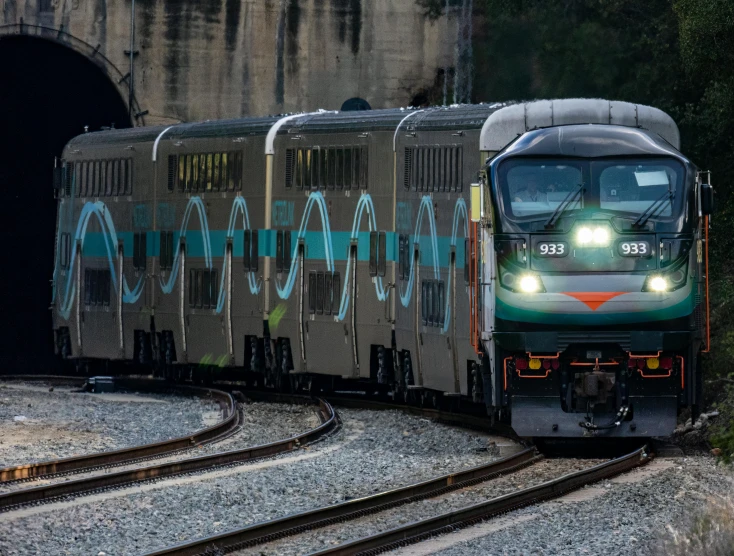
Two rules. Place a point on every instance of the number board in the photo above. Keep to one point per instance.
(552, 249)
(634, 249)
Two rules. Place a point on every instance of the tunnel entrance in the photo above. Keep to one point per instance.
(48, 93)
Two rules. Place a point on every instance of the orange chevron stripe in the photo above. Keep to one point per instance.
(593, 300)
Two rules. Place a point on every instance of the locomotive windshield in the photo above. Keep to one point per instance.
(643, 188)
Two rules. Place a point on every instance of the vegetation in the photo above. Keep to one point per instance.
(709, 531)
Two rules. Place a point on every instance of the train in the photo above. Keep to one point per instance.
(545, 261)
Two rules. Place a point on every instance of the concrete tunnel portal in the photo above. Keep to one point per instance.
(48, 94)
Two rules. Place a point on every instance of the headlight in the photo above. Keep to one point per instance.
(668, 281)
(601, 236)
(584, 236)
(530, 284)
(597, 237)
(658, 284)
(522, 282)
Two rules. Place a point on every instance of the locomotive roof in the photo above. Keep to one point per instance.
(591, 140)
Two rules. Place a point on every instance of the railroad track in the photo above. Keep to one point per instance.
(269, 531)
(51, 492)
(233, 419)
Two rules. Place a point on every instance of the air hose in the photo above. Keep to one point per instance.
(621, 414)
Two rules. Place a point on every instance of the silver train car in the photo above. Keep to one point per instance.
(440, 255)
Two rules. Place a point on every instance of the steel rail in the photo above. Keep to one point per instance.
(445, 523)
(133, 454)
(294, 524)
(46, 493)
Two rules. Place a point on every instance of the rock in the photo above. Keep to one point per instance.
(51, 389)
(716, 452)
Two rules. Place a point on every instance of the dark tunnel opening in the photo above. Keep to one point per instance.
(48, 93)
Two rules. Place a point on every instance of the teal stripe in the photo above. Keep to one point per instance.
(94, 245)
(507, 312)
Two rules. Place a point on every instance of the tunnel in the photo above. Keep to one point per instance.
(48, 94)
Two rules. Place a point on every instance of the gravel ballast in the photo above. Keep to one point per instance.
(38, 425)
(628, 518)
(319, 539)
(263, 423)
(373, 451)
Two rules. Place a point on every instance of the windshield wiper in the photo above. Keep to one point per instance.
(563, 206)
(653, 209)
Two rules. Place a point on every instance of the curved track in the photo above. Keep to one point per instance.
(232, 420)
(445, 523)
(296, 524)
(46, 493)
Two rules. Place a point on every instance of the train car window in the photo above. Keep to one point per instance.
(339, 169)
(129, 176)
(373, 254)
(287, 253)
(84, 179)
(255, 253)
(320, 293)
(116, 177)
(200, 289)
(422, 163)
(312, 292)
(87, 286)
(98, 278)
(94, 176)
(315, 167)
(232, 174)
(328, 292)
(226, 172)
(239, 171)
(172, 164)
(408, 162)
(192, 289)
(436, 304)
(424, 302)
(441, 303)
(279, 251)
(246, 250)
(364, 173)
(382, 254)
(209, 171)
(431, 171)
(106, 286)
(181, 172)
(323, 167)
(215, 288)
(307, 168)
(201, 178)
(102, 177)
(194, 172)
(459, 169)
(216, 174)
(206, 288)
(290, 155)
(187, 178)
(356, 167)
(123, 176)
(347, 168)
(77, 178)
(298, 171)
(166, 251)
(108, 178)
(331, 170)
(336, 294)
